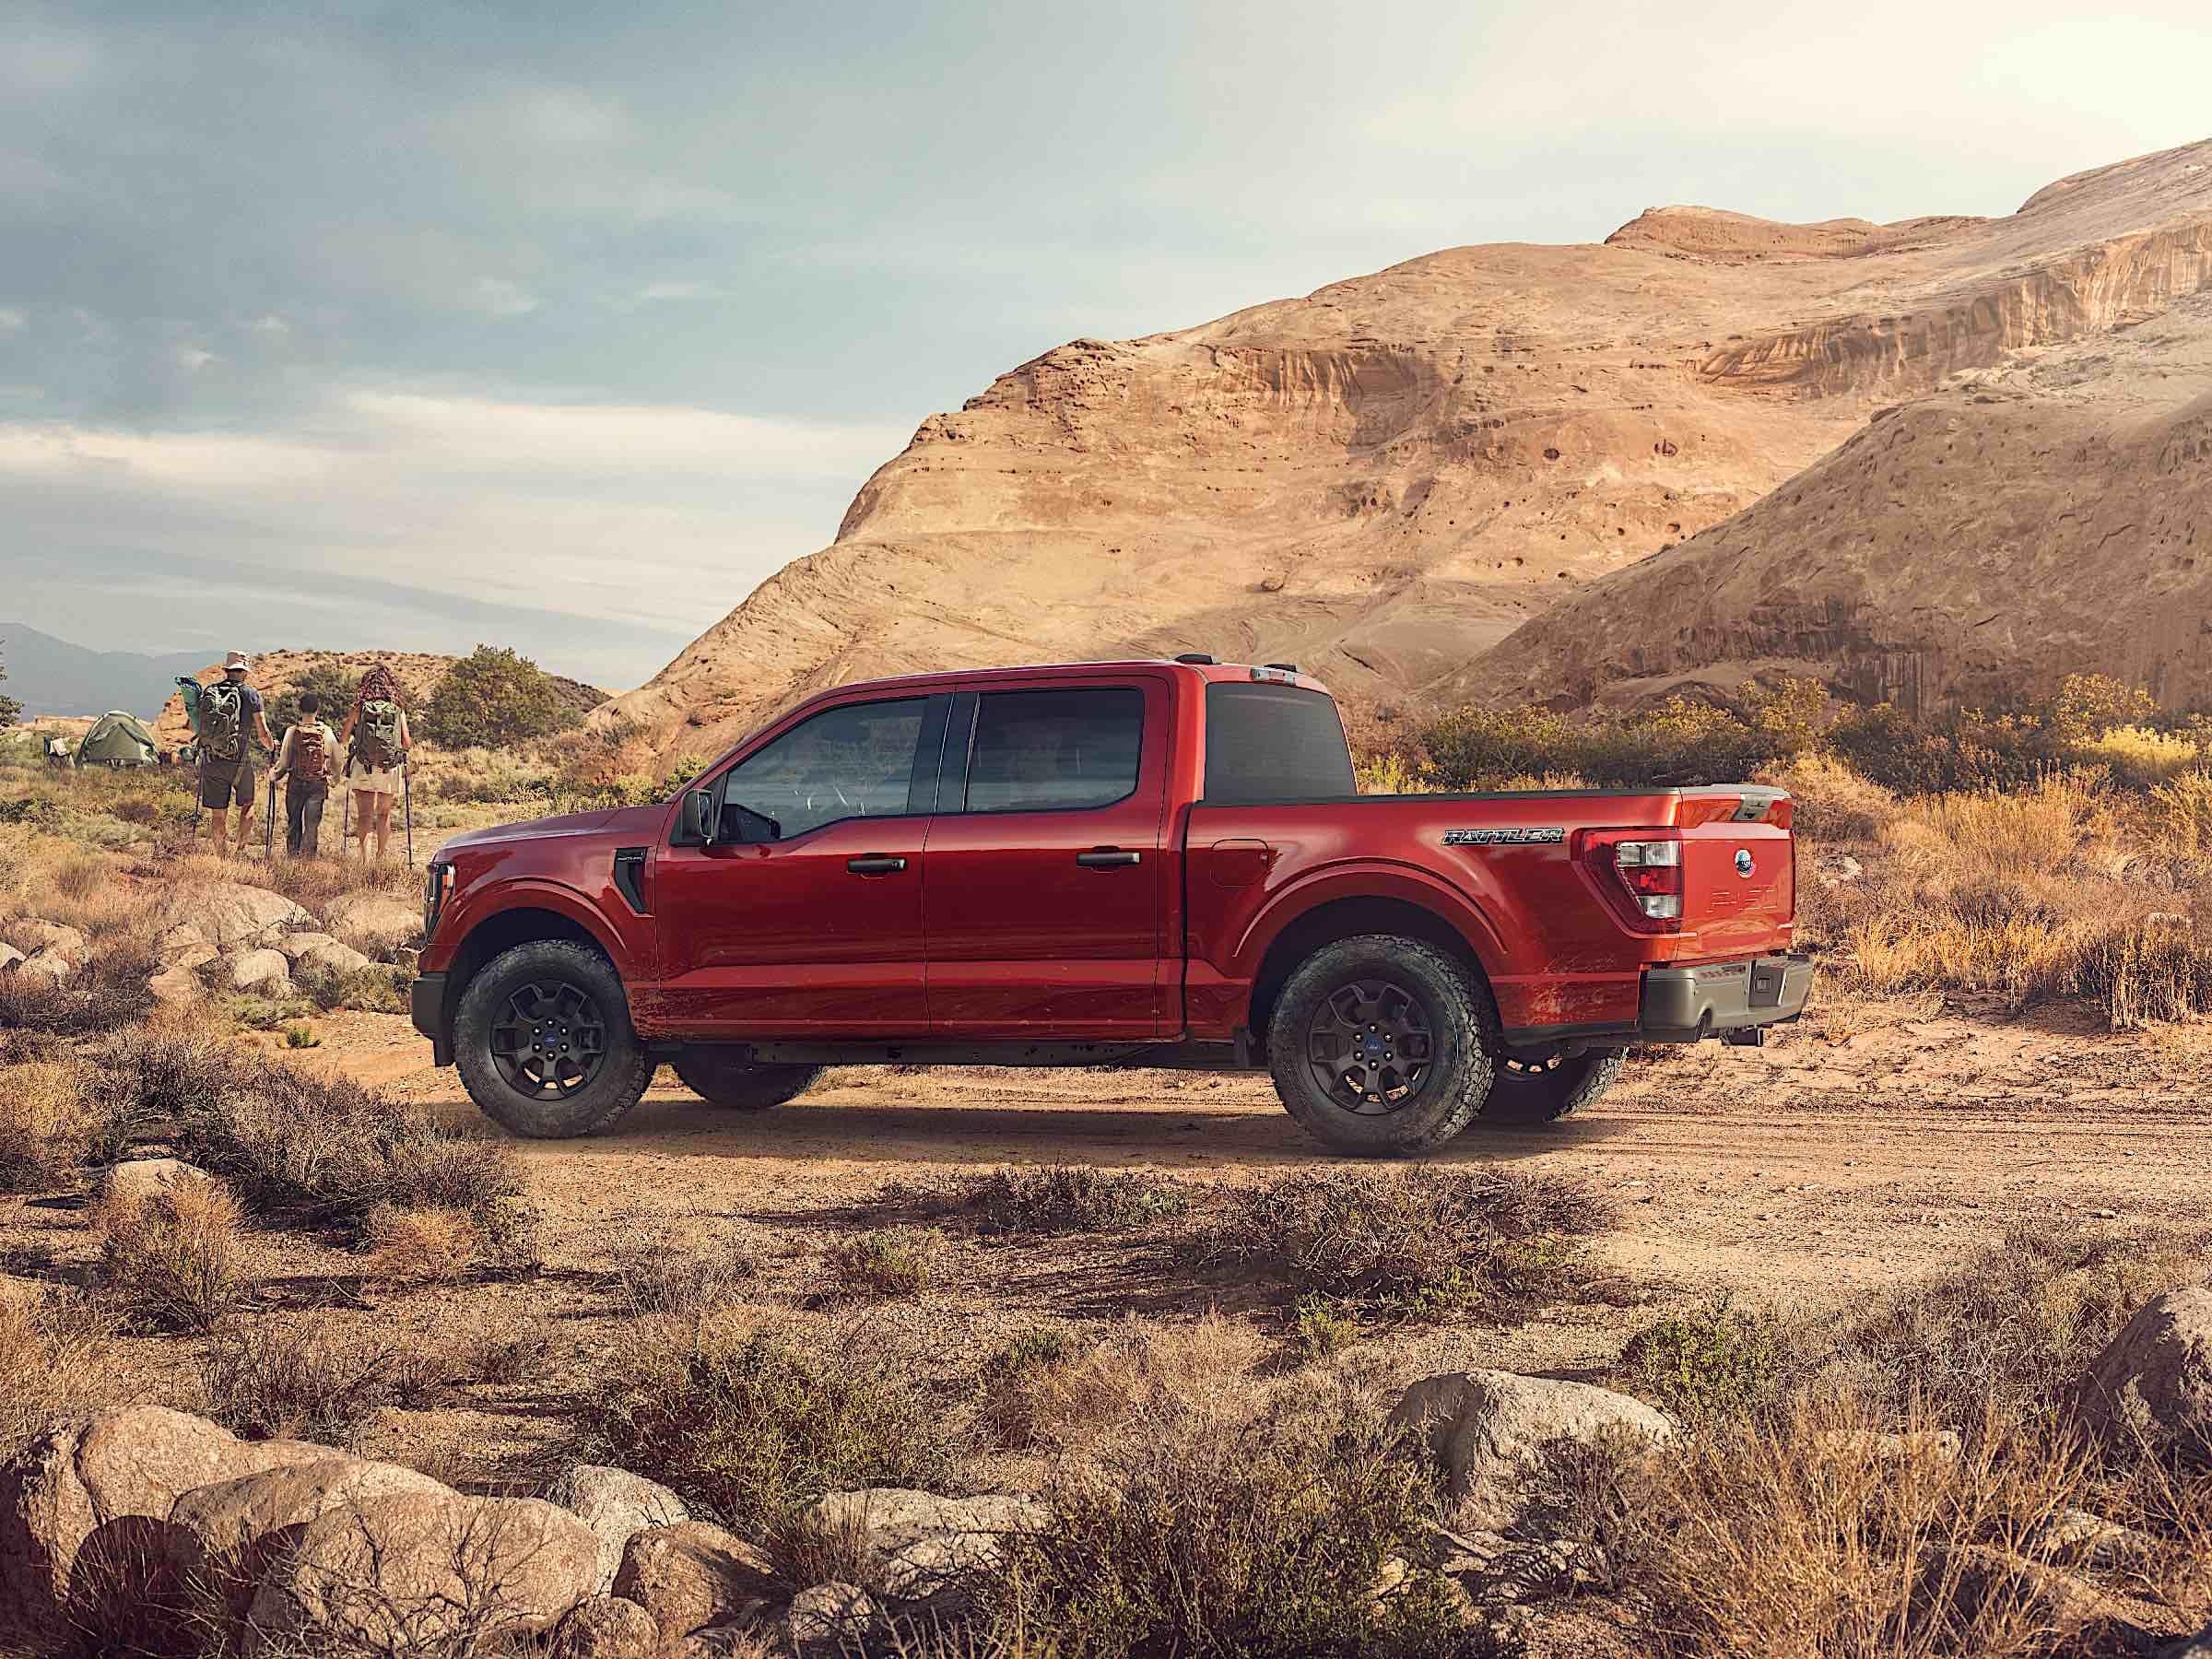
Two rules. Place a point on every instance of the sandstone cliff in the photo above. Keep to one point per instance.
(1387, 477)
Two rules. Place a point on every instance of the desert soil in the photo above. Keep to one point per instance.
(1878, 1142)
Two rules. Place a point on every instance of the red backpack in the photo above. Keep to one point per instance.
(311, 753)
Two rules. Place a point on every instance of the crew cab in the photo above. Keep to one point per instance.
(1147, 864)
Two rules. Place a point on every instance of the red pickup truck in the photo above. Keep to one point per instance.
(1152, 863)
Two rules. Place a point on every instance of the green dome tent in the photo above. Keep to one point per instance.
(117, 739)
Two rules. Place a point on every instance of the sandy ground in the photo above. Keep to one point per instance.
(1878, 1142)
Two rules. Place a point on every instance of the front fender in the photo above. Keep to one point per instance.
(472, 913)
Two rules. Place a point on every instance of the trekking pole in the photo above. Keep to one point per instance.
(199, 788)
(406, 795)
(268, 828)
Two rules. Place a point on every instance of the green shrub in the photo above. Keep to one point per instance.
(755, 1426)
(1717, 1360)
(1322, 1327)
(494, 697)
(329, 680)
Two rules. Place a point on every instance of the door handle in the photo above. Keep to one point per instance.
(1108, 858)
(876, 863)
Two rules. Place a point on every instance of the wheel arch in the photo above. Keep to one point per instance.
(502, 930)
(1345, 917)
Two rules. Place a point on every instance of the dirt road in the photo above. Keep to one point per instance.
(1880, 1140)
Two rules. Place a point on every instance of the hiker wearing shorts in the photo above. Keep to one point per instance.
(376, 741)
(230, 717)
(304, 761)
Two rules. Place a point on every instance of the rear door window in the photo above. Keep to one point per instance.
(1055, 751)
(1274, 743)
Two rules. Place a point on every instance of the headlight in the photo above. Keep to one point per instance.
(437, 883)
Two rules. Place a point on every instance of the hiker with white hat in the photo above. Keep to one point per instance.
(228, 715)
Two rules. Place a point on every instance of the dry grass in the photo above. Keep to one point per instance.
(670, 1275)
(172, 1258)
(420, 1245)
(47, 1125)
(1065, 1198)
(56, 1359)
(894, 1261)
(318, 1377)
(1493, 1243)
(1043, 1391)
(1832, 802)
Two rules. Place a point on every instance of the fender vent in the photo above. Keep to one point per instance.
(629, 876)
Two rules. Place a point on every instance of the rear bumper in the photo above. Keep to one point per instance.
(426, 1004)
(1711, 999)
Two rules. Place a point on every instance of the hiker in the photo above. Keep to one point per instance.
(230, 717)
(303, 761)
(376, 741)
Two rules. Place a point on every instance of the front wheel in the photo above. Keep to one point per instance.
(1531, 1090)
(721, 1079)
(1376, 1045)
(544, 1042)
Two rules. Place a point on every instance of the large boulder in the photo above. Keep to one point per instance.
(222, 1537)
(420, 1569)
(176, 987)
(48, 964)
(2153, 1382)
(62, 940)
(226, 914)
(263, 971)
(617, 1505)
(134, 1180)
(375, 922)
(298, 945)
(132, 1463)
(922, 1548)
(691, 1575)
(330, 957)
(11, 957)
(606, 1627)
(1484, 1428)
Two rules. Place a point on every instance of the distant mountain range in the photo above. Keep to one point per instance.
(52, 677)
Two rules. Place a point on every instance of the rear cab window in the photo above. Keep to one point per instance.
(1273, 743)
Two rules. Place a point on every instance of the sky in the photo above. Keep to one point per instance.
(560, 326)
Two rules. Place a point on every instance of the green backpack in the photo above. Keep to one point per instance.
(222, 721)
(376, 735)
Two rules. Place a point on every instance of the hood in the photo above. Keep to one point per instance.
(615, 821)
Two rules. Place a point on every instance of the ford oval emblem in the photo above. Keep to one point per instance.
(1743, 861)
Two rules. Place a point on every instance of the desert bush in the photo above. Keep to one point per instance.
(47, 1125)
(1065, 1198)
(378, 988)
(2014, 1326)
(2156, 969)
(1392, 773)
(754, 1423)
(1009, 1380)
(107, 995)
(1823, 1532)
(2140, 757)
(1719, 1361)
(1680, 741)
(1269, 1539)
(503, 1349)
(314, 1378)
(1072, 1399)
(419, 1246)
(171, 1258)
(1322, 1327)
(296, 1146)
(1832, 803)
(1420, 1242)
(894, 1261)
(55, 1360)
(668, 1274)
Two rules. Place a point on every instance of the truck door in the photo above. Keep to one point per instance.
(805, 916)
(1043, 902)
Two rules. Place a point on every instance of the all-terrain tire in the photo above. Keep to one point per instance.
(1459, 1015)
(1528, 1099)
(722, 1079)
(555, 967)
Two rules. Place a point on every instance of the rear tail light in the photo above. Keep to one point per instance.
(1640, 871)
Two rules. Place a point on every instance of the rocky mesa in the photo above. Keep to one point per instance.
(1388, 477)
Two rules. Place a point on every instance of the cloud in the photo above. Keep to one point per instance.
(10, 319)
(497, 296)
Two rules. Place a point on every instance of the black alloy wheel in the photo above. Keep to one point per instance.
(1531, 1089)
(549, 1041)
(1370, 1043)
(543, 1039)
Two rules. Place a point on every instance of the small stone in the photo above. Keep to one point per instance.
(138, 1179)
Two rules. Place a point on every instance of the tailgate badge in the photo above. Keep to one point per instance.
(1518, 836)
(1743, 861)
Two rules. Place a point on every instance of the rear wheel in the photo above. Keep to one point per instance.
(724, 1080)
(1530, 1089)
(544, 1042)
(1376, 1045)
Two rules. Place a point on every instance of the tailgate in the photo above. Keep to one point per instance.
(1739, 876)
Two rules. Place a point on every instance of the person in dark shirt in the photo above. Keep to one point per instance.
(228, 780)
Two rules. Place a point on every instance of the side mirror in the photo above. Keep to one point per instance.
(695, 818)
